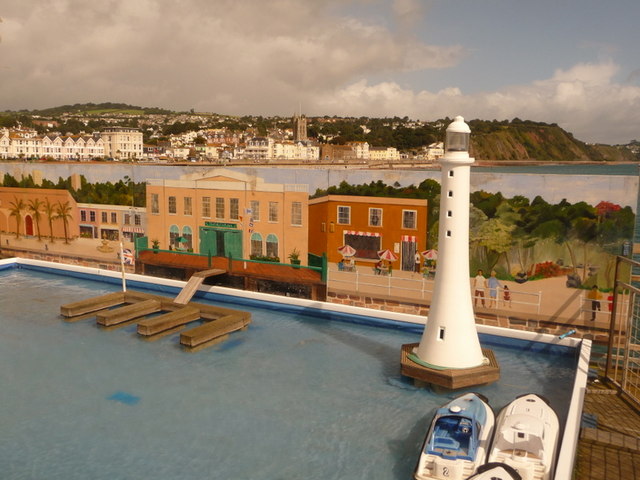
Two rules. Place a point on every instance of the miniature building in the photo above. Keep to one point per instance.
(368, 224)
(228, 214)
(23, 199)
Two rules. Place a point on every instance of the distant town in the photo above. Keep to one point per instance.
(117, 132)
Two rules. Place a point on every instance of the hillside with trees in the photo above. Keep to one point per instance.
(527, 140)
(504, 140)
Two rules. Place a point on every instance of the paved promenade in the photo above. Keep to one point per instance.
(549, 298)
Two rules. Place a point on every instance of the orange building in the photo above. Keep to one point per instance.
(227, 213)
(22, 200)
(368, 224)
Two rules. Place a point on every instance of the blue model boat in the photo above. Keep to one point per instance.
(458, 439)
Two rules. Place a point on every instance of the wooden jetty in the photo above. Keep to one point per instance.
(214, 331)
(108, 318)
(120, 308)
(168, 321)
(194, 283)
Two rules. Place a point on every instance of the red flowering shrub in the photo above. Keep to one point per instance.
(549, 269)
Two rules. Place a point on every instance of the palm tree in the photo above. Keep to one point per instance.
(35, 207)
(63, 212)
(16, 211)
(50, 212)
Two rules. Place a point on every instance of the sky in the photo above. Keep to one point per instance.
(571, 62)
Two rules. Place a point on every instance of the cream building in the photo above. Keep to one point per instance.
(118, 142)
(383, 153)
(225, 213)
(296, 151)
(122, 142)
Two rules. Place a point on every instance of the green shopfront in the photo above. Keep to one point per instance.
(220, 239)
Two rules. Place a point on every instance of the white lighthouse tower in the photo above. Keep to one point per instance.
(450, 339)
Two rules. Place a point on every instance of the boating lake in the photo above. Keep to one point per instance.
(294, 396)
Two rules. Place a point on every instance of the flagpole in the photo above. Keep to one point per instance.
(124, 281)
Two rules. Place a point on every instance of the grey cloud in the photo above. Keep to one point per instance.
(226, 56)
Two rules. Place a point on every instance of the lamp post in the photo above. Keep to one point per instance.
(450, 339)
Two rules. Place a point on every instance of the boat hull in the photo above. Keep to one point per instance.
(526, 437)
(457, 441)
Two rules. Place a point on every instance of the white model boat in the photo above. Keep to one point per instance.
(495, 471)
(526, 437)
(458, 439)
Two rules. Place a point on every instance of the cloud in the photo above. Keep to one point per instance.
(228, 56)
(267, 57)
(585, 100)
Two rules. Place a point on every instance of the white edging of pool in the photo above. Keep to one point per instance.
(569, 446)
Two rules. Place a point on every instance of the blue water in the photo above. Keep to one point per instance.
(294, 396)
(629, 169)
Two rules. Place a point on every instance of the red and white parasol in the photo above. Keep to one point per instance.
(347, 251)
(387, 255)
(430, 254)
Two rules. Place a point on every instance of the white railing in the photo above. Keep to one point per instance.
(406, 286)
(516, 298)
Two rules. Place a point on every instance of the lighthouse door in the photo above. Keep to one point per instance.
(409, 249)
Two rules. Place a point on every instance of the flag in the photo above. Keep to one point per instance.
(127, 256)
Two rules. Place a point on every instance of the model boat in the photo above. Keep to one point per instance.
(458, 439)
(526, 437)
(495, 471)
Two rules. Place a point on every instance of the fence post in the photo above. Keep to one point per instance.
(325, 268)
(612, 322)
(539, 300)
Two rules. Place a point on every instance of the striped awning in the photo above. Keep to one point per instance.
(133, 229)
(409, 238)
(362, 234)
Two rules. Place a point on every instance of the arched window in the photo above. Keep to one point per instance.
(256, 244)
(272, 245)
(174, 233)
(187, 236)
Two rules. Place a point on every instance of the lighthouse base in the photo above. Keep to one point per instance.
(452, 378)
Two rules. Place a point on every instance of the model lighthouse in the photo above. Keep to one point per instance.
(450, 341)
(450, 338)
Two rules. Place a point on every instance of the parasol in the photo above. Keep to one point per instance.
(347, 251)
(387, 255)
(430, 254)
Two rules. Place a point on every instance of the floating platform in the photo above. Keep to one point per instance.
(168, 321)
(452, 378)
(212, 331)
(110, 317)
(122, 308)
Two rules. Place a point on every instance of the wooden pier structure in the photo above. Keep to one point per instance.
(449, 378)
(157, 315)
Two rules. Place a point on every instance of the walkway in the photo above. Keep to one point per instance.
(609, 446)
(549, 298)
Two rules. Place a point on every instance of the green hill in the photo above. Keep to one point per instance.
(100, 109)
(535, 141)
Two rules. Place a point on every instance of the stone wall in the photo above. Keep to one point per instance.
(8, 252)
